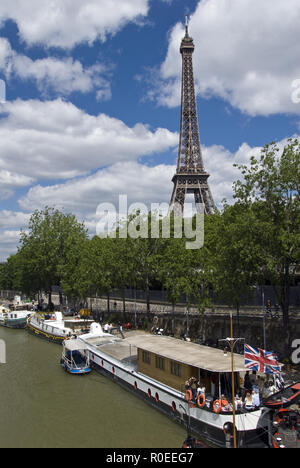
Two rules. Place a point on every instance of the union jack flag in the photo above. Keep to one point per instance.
(259, 360)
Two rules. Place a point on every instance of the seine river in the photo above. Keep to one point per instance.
(43, 407)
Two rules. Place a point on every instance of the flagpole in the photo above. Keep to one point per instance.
(232, 378)
(232, 341)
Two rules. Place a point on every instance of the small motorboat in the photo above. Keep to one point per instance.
(75, 359)
(286, 429)
(284, 398)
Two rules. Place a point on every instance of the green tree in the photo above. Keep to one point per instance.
(50, 250)
(270, 189)
(233, 255)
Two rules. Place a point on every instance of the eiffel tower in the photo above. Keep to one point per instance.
(190, 176)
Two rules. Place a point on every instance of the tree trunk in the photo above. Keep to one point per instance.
(108, 303)
(124, 305)
(285, 311)
(148, 299)
(173, 318)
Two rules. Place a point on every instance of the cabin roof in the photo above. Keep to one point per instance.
(74, 345)
(192, 354)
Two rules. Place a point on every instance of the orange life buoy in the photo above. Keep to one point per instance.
(201, 400)
(189, 395)
(217, 406)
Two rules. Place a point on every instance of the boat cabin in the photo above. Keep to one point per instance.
(173, 362)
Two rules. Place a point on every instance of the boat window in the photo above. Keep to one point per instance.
(175, 368)
(146, 357)
(160, 363)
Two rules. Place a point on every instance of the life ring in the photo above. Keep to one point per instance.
(201, 400)
(189, 395)
(217, 406)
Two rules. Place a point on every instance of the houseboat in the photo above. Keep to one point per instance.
(52, 329)
(13, 319)
(158, 369)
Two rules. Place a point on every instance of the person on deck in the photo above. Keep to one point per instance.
(255, 399)
(248, 401)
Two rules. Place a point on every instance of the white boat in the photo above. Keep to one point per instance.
(75, 359)
(53, 329)
(156, 367)
(13, 318)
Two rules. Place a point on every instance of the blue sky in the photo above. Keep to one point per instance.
(93, 98)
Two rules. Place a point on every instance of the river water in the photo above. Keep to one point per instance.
(43, 407)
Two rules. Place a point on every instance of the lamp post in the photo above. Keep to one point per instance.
(232, 342)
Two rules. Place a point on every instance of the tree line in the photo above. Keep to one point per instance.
(254, 240)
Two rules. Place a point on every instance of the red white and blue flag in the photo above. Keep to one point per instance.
(259, 360)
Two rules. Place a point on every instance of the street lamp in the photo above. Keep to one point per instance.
(232, 342)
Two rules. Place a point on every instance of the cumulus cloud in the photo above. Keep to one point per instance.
(246, 53)
(10, 181)
(70, 22)
(139, 182)
(56, 140)
(11, 220)
(9, 243)
(59, 76)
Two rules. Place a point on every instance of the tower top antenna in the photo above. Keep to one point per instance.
(187, 24)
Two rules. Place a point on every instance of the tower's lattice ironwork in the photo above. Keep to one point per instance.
(190, 176)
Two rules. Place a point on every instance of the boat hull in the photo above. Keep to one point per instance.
(20, 323)
(205, 424)
(45, 335)
(72, 371)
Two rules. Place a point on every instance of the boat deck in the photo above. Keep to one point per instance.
(118, 348)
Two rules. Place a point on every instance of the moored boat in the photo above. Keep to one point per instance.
(286, 429)
(156, 368)
(15, 318)
(285, 398)
(75, 359)
(52, 329)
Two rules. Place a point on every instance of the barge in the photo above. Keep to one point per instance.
(156, 368)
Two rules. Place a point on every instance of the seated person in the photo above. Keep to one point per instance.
(238, 403)
(248, 401)
(225, 405)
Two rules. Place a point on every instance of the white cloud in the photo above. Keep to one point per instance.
(61, 76)
(56, 140)
(12, 220)
(69, 22)
(9, 182)
(139, 182)
(246, 53)
(8, 241)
